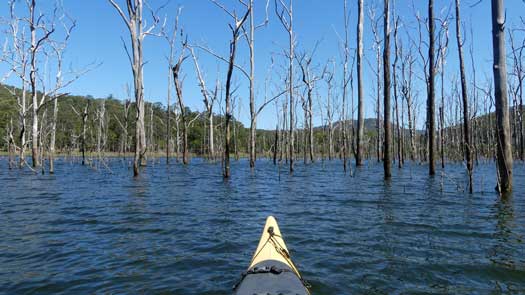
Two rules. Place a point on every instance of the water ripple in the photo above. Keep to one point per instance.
(184, 230)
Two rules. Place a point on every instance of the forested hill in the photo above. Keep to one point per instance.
(106, 120)
(110, 114)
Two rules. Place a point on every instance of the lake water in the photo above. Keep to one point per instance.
(184, 230)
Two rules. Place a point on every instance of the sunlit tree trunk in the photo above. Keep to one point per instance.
(504, 149)
(360, 92)
(135, 24)
(466, 122)
(287, 22)
(396, 105)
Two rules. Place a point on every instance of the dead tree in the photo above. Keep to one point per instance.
(328, 77)
(58, 49)
(40, 33)
(504, 149)
(443, 40)
(360, 92)
(17, 57)
(387, 156)
(11, 146)
(209, 101)
(101, 128)
(346, 54)
(518, 72)
(431, 92)
(170, 39)
(374, 21)
(250, 39)
(124, 127)
(135, 24)
(84, 117)
(178, 89)
(309, 79)
(395, 83)
(467, 144)
(285, 15)
(236, 30)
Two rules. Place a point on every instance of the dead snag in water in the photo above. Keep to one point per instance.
(360, 92)
(504, 149)
(135, 23)
(387, 156)
(467, 145)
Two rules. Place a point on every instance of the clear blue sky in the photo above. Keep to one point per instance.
(97, 38)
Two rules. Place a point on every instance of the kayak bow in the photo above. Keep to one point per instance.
(271, 270)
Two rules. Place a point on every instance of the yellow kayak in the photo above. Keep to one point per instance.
(271, 270)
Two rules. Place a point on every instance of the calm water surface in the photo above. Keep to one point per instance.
(183, 230)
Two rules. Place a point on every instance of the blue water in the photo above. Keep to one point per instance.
(184, 230)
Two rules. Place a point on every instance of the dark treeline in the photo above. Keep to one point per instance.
(110, 126)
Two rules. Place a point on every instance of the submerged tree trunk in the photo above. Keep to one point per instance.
(135, 25)
(228, 112)
(276, 144)
(53, 137)
(33, 82)
(84, 130)
(345, 82)
(431, 92)
(387, 157)
(253, 114)
(360, 94)
(291, 82)
(504, 150)
(183, 115)
(285, 16)
(396, 105)
(466, 122)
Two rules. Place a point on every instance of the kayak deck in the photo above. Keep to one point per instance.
(271, 270)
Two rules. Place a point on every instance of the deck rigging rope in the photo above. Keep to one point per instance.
(281, 251)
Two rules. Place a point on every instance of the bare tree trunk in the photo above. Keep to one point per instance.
(211, 136)
(151, 128)
(32, 77)
(276, 144)
(171, 42)
(310, 127)
(10, 144)
(168, 117)
(53, 137)
(329, 116)
(233, 50)
(84, 129)
(345, 84)
(287, 22)
(504, 149)
(396, 106)
(292, 104)
(378, 119)
(18, 59)
(431, 92)
(23, 124)
(360, 94)
(519, 72)
(441, 112)
(407, 93)
(183, 115)
(387, 156)
(134, 23)
(58, 50)
(253, 114)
